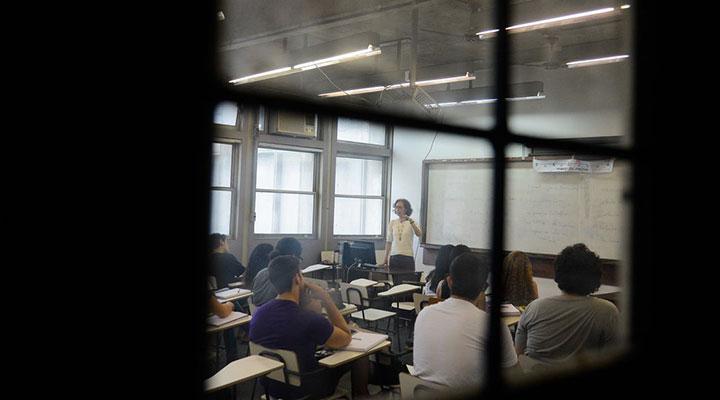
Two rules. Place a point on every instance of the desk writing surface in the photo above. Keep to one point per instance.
(240, 371)
(341, 357)
(399, 289)
(231, 324)
(348, 309)
(316, 267)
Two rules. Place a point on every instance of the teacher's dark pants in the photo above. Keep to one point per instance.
(402, 268)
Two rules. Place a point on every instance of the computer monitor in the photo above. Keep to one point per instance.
(358, 251)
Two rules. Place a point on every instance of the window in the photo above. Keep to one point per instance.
(354, 130)
(285, 192)
(358, 197)
(222, 188)
(226, 114)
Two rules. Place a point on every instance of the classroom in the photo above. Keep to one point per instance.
(362, 150)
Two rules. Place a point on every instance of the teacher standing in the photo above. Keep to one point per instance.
(399, 246)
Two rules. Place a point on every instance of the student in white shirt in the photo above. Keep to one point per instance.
(451, 336)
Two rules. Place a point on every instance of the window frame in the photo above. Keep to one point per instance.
(235, 176)
(267, 143)
(345, 149)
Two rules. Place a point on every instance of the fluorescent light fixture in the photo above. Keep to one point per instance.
(430, 82)
(354, 55)
(353, 91)
(625, 7)
(483, 101)
(440, 81)
(565, 19)
(262, 75)
(596, 61)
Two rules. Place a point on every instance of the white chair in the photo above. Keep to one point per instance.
(358, 295)
(420, 301)
(412, 387)
(290, 374)
(251, 305)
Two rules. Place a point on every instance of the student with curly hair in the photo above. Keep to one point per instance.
(555, 329)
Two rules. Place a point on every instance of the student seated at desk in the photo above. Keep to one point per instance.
(442, 291)
(222, 310)
(259, 259)
(554, 329)
(517, 276)
(451, 336)
(283, 324)
(263, 289)
(225, 266)
(441, 271)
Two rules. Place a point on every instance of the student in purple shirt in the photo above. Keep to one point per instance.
(282, 324)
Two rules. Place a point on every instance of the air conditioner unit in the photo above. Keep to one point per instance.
(295, 123)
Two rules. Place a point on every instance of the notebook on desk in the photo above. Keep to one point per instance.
(217, 321)
(364, 341)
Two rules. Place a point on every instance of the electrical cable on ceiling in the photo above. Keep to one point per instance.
(338, 87)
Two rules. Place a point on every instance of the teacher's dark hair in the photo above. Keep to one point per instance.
(408, 207)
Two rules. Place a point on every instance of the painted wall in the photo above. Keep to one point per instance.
(582, 102)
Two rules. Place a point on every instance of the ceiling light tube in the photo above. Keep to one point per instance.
(353, 91)
(596, 61)
(354, 55)
(262, 75)
(562, 20)
(439, 81)
(369, 51)
(483, 101)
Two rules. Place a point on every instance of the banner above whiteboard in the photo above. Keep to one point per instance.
(573, 165)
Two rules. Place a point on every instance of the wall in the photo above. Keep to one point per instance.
(582, 102)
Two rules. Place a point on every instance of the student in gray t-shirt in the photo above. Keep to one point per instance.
(554, 329)
(263, 290)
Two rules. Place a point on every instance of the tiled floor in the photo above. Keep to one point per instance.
(244, 391)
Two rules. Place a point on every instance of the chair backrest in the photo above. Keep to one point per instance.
(251, 305)
(420, 300)
(412, 387)
(320, 282)
(354, 294)
(290, 373)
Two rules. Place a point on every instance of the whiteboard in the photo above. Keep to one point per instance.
(545, 212)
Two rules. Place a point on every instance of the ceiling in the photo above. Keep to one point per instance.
(257, 36)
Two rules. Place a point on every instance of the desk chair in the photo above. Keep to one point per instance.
(420, 301)
(358, 295)
(290, 373)
(251, 305)
(412, 387)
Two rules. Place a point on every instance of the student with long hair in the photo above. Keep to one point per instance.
(517, 276)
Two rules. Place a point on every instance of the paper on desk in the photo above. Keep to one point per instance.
(364, 341)
(217, 321)
(224, 294)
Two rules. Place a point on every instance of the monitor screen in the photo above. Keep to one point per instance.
(357, 251)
